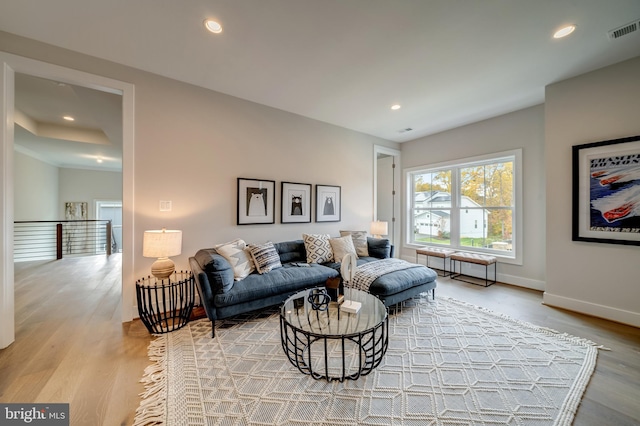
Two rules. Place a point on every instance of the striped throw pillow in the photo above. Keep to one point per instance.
(265, 257)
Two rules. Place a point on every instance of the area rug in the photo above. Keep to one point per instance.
(448, 363)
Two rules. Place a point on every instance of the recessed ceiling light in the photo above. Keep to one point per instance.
(564, 31)
(396, 106)
(99, 159)
(213, 26)
(69, 118)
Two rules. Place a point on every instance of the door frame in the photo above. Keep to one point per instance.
(395, 153)
(9, 65)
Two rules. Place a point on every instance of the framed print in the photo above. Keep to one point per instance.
(296, 202)
(256, 201)
(328, 203)
(606, 191)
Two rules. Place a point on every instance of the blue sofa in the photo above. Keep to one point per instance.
(222, 297)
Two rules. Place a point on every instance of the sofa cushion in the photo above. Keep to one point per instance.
(341, 247)
(291, 251)
(265, 257)
(318, 248)
(218, 270)
(237, 255)
(359, 241)
(286, 280)
(379, 247)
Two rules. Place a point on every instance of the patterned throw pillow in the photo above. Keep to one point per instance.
(237, 255)
(342, 246)
(265, 256)
(318, 248)
(359, 241)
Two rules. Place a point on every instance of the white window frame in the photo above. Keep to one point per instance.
(515, 256)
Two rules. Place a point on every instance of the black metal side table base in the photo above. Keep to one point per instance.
(165, 305)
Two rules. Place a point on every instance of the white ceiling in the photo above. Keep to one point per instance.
(345, 62)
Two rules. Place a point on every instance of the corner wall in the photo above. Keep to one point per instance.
(521, 129)
(191, 144)
(35, 189)
(597, 279)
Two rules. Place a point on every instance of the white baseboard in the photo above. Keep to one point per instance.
(593, 309)
(478, 271)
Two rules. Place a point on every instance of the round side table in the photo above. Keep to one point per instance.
(165, 305)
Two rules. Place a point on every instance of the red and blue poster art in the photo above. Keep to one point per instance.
(615, 193)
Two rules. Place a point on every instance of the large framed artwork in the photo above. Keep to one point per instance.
(328, 203)
(606, 191)
(295, 202)
(256, 201)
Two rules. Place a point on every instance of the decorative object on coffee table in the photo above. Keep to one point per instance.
(348, 271)
(319, 299)
(162, 244)
(165, 304)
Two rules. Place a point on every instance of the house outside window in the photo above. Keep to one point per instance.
(470, 204)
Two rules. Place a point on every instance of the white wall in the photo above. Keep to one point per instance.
(35, 189)
(599, 279)
(521, 129)
(88, 186)
(191, 144)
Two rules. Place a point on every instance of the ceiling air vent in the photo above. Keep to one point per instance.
(408, 129)
(624, 30)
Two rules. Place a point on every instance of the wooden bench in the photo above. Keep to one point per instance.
(473, 258)
(442, 253)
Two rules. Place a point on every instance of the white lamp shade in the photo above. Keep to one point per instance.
(379, 228)
(162, 243)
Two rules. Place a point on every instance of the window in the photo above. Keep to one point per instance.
(471, 204)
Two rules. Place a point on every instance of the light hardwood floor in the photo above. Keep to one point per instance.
(71, 347)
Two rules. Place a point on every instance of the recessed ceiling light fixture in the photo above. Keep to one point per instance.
(564, 31)
(396, 106)
(99, 159)
(69, 118)
(212, 26)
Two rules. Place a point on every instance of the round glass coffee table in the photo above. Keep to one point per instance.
(334, 344)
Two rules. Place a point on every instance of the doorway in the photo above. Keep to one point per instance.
(386, 205)
(9, 66)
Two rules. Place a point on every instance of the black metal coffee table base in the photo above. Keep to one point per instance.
(353, 355)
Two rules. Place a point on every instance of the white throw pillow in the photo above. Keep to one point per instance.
(342, 246)
(318, 248)
(238, 256)
(359, 241)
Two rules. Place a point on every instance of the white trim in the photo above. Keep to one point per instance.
(7, 297)
(397, 211)
(516, 154)
(79, 78)
(593, 309)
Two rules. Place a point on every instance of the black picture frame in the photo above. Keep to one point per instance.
(606, 191)
(256, 201)
(295, 202)
(328, 203)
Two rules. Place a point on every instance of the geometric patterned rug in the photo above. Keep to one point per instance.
(448, 363)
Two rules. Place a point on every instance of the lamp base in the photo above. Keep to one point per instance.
(163, 268)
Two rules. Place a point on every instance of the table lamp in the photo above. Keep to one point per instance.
(378, 229)
(162, 244)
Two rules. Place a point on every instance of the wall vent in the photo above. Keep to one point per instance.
(624, 30)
